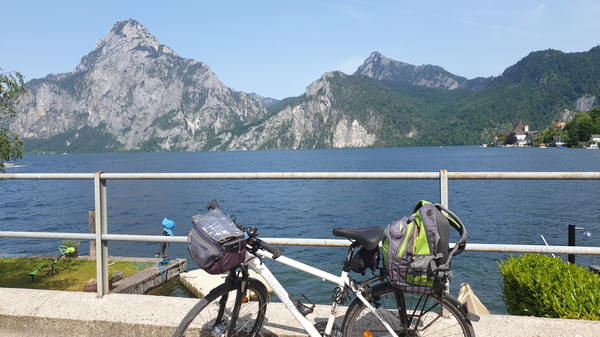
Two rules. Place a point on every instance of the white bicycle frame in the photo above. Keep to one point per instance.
(341, 281)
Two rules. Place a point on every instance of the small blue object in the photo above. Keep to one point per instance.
(141, 265)
(162, 267)
(168, 226)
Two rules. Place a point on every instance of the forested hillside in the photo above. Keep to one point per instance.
(543, 88)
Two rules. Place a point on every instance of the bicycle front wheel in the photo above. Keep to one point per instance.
(426, 315)
(214, 313)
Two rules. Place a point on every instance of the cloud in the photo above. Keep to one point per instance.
(359, 14)
(470, 22)
(539, 12)
(521, 22)
(516, 32)
(350, 65)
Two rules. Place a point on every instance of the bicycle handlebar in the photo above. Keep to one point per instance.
(276, 251)
(213, 204)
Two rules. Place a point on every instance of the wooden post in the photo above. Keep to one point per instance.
(92, 222)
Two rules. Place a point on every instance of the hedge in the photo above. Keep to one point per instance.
(544, 286)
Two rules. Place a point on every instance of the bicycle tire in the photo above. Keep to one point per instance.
(210, 313)
(425, 316)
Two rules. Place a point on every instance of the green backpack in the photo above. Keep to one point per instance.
(416, 252)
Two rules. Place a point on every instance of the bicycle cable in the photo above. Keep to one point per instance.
(340, 295)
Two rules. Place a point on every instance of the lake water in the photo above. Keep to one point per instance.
(500, 212)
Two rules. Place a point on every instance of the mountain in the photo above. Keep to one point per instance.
(131, 93)
(339, 111)
(265, 101)
(383, 69)
(541, 89)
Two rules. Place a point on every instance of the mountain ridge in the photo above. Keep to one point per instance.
(132, 93)
(381, 68)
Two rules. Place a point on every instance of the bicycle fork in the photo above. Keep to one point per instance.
(239, 295)
(241, 289)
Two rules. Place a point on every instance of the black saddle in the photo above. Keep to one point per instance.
(368, 237)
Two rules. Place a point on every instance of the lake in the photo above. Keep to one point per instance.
(494, 211)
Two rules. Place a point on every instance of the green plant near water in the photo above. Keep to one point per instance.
(71, 243)
(72, 274)
(544, 286)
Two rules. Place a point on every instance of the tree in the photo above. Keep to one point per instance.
(579, 128)
(511, 138)
(11, 87)
(595, 114)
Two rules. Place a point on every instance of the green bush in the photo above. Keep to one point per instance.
(543, 286)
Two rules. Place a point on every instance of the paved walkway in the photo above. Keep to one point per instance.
(27, 312)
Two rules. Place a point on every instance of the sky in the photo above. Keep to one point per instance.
(278, 48)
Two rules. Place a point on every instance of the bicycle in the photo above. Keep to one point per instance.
(238, 306)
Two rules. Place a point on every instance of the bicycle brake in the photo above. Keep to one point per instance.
(340, 295)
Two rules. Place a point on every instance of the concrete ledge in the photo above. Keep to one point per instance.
(43, 326)
(27, 312)
(141, 282)
(200, 283)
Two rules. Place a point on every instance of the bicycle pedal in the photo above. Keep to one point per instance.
(303, 308)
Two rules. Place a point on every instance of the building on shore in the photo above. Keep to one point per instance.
(524, 136)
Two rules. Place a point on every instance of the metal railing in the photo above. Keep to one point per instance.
(101, 237)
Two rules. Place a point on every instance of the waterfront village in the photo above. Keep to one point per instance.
(521, 136)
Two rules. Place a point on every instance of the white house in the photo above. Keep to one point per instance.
(558, 141)
(595, 138)
(523, 134)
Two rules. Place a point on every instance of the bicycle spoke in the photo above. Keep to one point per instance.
(424, 316)
(210, 318)
(213, 314)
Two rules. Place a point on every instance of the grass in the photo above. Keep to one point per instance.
(72, 273)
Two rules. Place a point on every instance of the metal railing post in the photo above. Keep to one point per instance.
(444, 188)
(101, 228)
(571, 242)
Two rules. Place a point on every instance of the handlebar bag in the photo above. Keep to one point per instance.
(215, 243)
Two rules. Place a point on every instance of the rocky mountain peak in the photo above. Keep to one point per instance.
(127, 39)
(321, 86)
(136, 93)
(377, 66)
(129, 32)
(381, 68)
(377, 57)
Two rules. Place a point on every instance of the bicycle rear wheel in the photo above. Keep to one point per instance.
(427, 315)
(213, 314)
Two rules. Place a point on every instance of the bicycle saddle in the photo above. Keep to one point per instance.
(367, 237)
